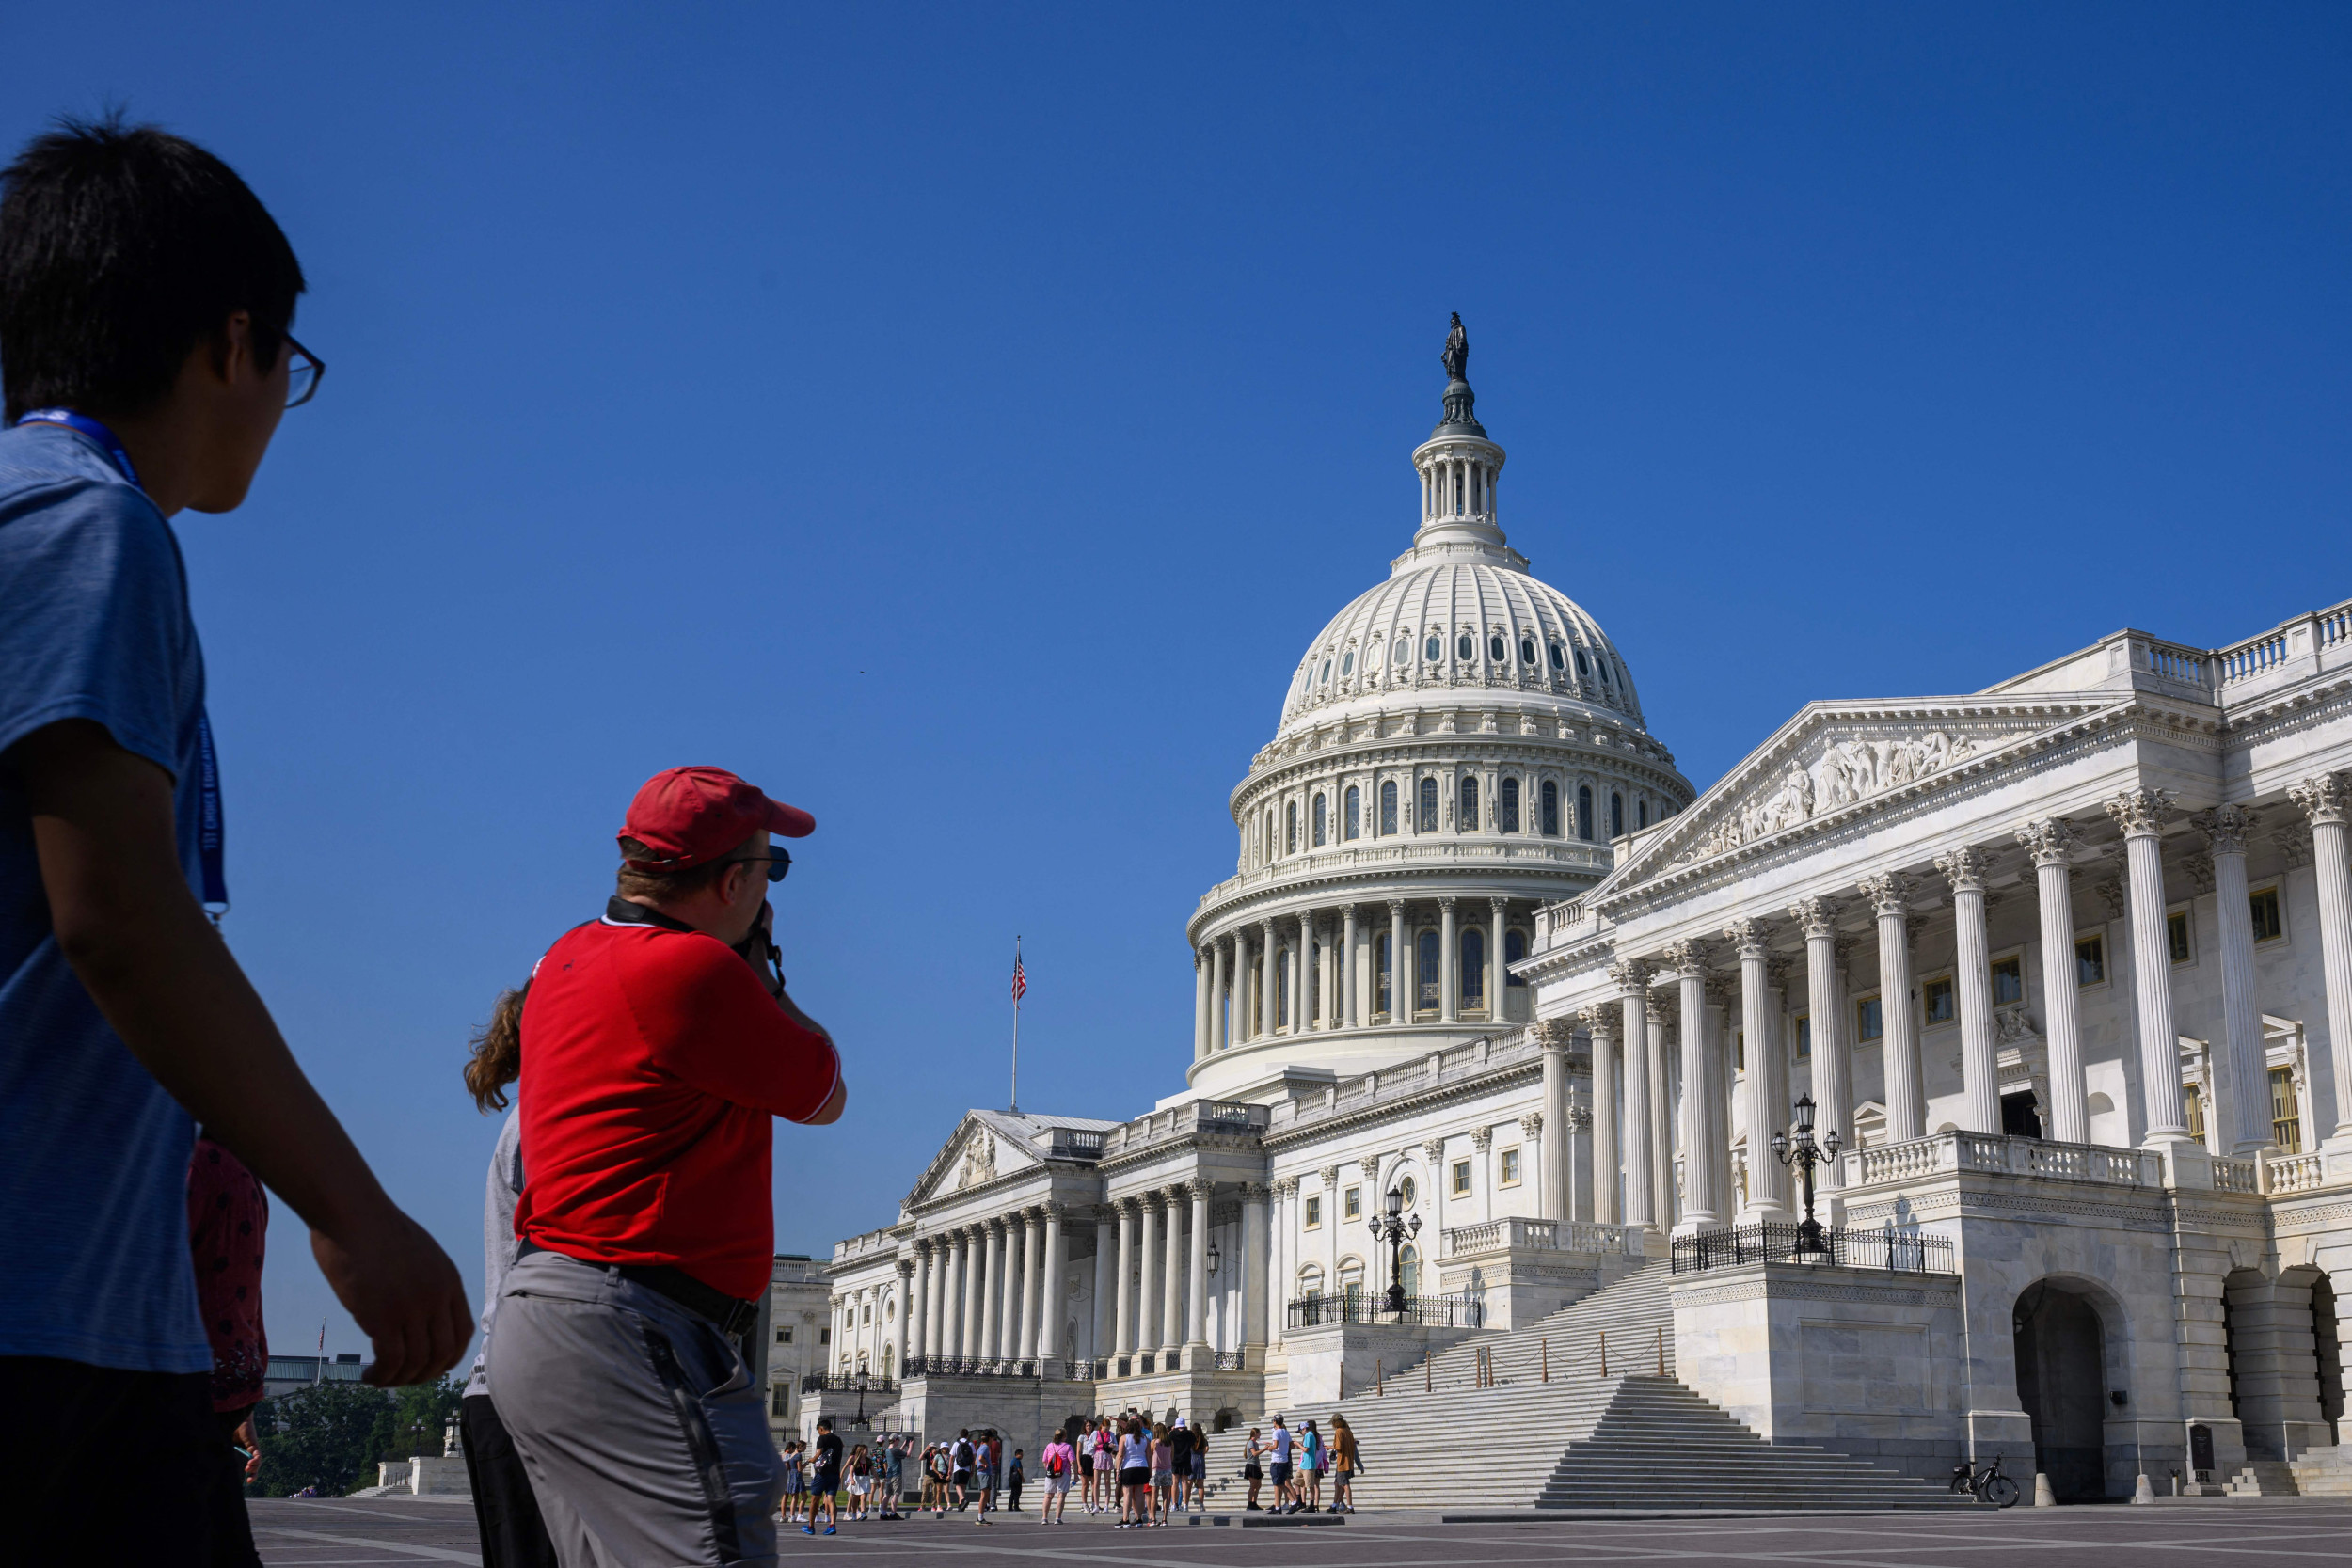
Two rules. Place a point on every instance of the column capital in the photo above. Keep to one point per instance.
(1815, 918)
(1498, 906)
(1580, 1118)
(1282, 1186)
(2226, 828)
(1889, 892)
(905, 1269)
(1370, 1164)
(1330, 1175)
(1532, 1125)
(1842, 951)
(2050, 840)
(2293, 843)
(1631, 974)
(1447, 903)
(1396, 908)
(1265, 924)
(1722, 990)
(1554, 1034)
(1777, 968)
(1482, 1138)
(1746, 938)
(1600, 1023)
(2200, 871)
(2110, 894)
(1156, 1200)
(1964, 868)
(2327, 797)
(1684, 959)
(1255, 1192)
(1433, 1150)
(2140, 812)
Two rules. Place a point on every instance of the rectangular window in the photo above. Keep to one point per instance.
(1804, 1035)
(1355, 813)
(1510, 1167)
(1352, 1205)
(1551, 809)
(1314, 1214)
(2193, 1103)
(1739, 1051)
(2009, 980)
(1461, 1178)
(2286, 1122)
(784, 1334)
(2269, 926)
(1868, 1022)
(1935, 1000)
(1510, 805)
(824, 1336)
(2091, 961)
(1388, 808)
(2176, 935)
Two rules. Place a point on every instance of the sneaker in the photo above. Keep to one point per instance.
(808, 1529)
(830, 1530)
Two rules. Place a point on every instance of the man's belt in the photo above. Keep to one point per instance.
(732, 1316)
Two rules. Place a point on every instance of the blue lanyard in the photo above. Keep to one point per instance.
(209, 835)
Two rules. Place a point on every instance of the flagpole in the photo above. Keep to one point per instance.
(1012, 1104)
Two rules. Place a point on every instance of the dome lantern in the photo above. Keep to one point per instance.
(1458, 467)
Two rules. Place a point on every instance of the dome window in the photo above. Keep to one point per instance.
(1468, 821)
(1403, 651)
(1347, 663)
(1581, 668)
(1527, 650)
(1559, 658)
(1434, 649)
(1464, 648)
(1324, 679)
(1551, 797)
(1495, 649)
(1428, 806)
(1508, 808)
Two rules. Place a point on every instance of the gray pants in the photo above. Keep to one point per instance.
(636, 1420)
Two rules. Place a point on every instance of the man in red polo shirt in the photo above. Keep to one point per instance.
(658, 1042)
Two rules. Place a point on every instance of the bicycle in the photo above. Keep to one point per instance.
(1987, 1485)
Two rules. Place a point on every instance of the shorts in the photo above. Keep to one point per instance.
(1200, 1466)
(1282, 1473)
(1162, 1477)
(962, 1477)
(1134, 1475)
(1251, 1472)
(826, 1484)
(1057, 1485)
(1086, 1465)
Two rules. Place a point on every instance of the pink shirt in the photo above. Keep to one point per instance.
(1058, 1455)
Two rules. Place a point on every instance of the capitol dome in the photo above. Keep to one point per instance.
(1460, 747)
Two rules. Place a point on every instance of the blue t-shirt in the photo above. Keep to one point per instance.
(93, 1153)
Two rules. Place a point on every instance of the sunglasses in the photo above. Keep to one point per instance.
(779, 864)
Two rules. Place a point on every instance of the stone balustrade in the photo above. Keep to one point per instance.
(1462, 1240)
(1941, 1152)
(2296, 1173)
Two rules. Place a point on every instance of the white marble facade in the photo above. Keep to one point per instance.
(2067, 964)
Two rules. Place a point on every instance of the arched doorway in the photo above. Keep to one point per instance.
(2061, 1382)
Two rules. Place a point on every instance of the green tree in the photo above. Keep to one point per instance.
(421, 1413)
(327, 1436)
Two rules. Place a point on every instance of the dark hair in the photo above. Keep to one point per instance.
(497, 1052)
(121, 248)
(663, 886)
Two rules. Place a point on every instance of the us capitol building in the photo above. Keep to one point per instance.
(2046, 990)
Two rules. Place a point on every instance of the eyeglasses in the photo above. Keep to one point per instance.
(304, 371)
(778, 863)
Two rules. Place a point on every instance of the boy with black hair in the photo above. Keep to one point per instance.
(145, 357)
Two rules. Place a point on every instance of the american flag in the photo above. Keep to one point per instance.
(1020, 981)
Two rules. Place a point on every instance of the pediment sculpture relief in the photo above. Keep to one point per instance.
(1846, 771)
(980, 1161)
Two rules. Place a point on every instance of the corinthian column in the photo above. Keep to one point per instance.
(1349, 969)
(1763, 1117)
(967, 1291)
(1704, 1146)
(1148, 1289)
(1197, 1298)
(2328, 801)
(1103, 1331)
(1602, 1024)
(2050, 840)
(1401, 978)
(1833, 1086)
(1172, 1281)
(1633, 977)
(1123, 1342)
(1303, 997)
(1661, 1115)
(1269, 982)
(1906, 1103)
(1499, 979)
(1049, 1336)
(1218, 997)
(1979, 1068)
(1553, 1033)
(2140, 813)
(1257, 1263)
(2247, 1129)
(1032, 1282)
(1449, 964)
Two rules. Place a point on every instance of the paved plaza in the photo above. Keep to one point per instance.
(2282, 1533)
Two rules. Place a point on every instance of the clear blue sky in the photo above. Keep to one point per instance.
(959, 418)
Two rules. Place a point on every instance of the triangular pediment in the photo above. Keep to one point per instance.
(992, 1146)
(1836, 758)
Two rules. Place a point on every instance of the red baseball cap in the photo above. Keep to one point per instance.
(691, 816)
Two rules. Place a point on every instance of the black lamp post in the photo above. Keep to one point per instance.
(1802, 1154)
(1394, 1229)
(1213, 1259)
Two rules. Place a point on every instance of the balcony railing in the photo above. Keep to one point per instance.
(1515, 1231)
(1899, 1251)
(2296, 1173)
(2004, 1152)
(1359, 1308)
(847, 1382)
(1075, 1143)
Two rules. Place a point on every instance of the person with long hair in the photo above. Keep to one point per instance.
(1135, 1475)
(505, 1509)
(1346, 1459)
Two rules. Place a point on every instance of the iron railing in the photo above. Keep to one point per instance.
(846, 1383)
(1899, 1251)
(1372, 1308)
(969, 1365)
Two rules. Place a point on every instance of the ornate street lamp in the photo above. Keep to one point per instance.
(1213, 1259)
(1393, 1228)
(1802, 1154)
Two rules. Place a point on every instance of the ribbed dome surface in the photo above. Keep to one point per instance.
(1545, 642)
